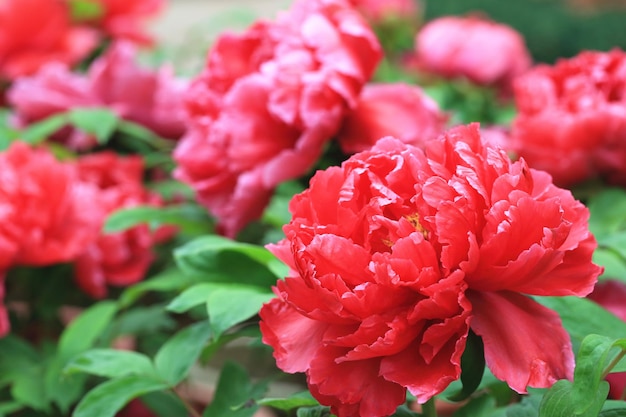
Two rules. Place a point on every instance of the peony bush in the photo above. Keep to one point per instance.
(346, 211)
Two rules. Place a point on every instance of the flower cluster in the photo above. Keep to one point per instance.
(267, 103)
(115, 81)
(572, 117)
(396, 254)
(53, 212)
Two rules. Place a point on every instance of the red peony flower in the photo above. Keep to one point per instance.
(398, 110)
(268, 101)
(150, 98)
(124, 19)
(48, 215)
(612, 296)
(398, 252)
(571, 117)
(483, 51)
(120, 258)
(35, 32)
(378, 11)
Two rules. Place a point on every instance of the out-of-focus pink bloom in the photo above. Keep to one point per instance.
(378, 11)
(397, 253)
(150, 98)
(125, 19)
(497, 136)
(119, 258)
(399, 110)
(571, 119)
(486, 52)
(268, 101)
(36, 32)
(612, 296)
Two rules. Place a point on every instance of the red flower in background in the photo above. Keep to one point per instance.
(483, 51)
(144, 96)
(612, 296)
(398, 110)
(123, 19)
(47, 214)
(119, 258)
(571, 117)
(36, 32)
(268, 101)
(398, 252)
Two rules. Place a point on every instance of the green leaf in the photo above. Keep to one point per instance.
(582, 317)
(223, 260)
(15, 356)
(231, 305)
(482, 406)
(472, 367)
(192, 297)
(28, 389)
(84, 331)
(190, 218)
(614, 265)
(164, 404)
(100, 122)
(318, 411)
(108, 398)
(300, 399)
(235, 395)
(169, 280)
(40, 131)
(561, 401)
(613, 408)
(608, 212)
(63, 390)
(590, 363)
(111, 363)
(82, 10)
(179, 353)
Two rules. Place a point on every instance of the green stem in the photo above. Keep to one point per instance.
(429, 409)
(614, 362)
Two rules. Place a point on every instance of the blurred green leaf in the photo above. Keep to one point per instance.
(111, 363)
(300, 399)
(99, 122)
(169, 280)
(82, 10)
(230, 305)
(84, 331)
(40, 131)
(235, 395)
(608, 212)
(223, 260)
(318, 411)
(108, 398)
(190, 218)
(180, 352)
(164, 404)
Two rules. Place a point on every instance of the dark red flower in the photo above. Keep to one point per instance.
(398, 252)
(268, 101)
(115, 80)
(483, 51)
(571, 117)
(35, 32)
(47, 214)
(5, 326)
(399, 110)
(612, 296)
(119, 258)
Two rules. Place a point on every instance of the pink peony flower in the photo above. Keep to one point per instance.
(120, 258)
(268, 101)
(378, 11)
(572, 117)
(150, 98)
(36, 32)
(612, 296)
(124, 19)
(398, 110)
(398, 252)
(485, 52)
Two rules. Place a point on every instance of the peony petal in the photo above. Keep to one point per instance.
(525, 343)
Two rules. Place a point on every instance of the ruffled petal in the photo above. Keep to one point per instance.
(525, 343)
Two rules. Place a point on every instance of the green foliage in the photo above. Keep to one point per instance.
(236, 395)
